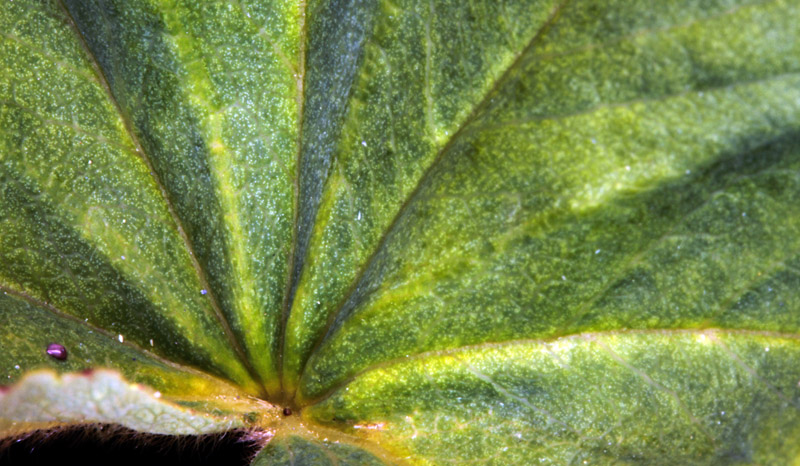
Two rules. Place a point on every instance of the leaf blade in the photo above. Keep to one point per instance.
(121, 369)
(297, 450)
(220, 83)
(84, 228)
(531, 223)
(699, 396)
(413, 91)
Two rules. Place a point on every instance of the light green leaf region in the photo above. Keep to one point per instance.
(505, 232)
(649, 397)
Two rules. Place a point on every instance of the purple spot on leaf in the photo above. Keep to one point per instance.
(57, 351)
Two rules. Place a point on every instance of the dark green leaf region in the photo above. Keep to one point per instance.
(405, 231)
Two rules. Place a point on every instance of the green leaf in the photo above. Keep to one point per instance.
(298, 450)
(653, 396)
(500, 232)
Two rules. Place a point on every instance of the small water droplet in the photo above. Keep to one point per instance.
(564, 277)
(597, 252)
(57, 351)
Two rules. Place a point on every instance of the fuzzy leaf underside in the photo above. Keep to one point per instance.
(43, 400)
(443, 232)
